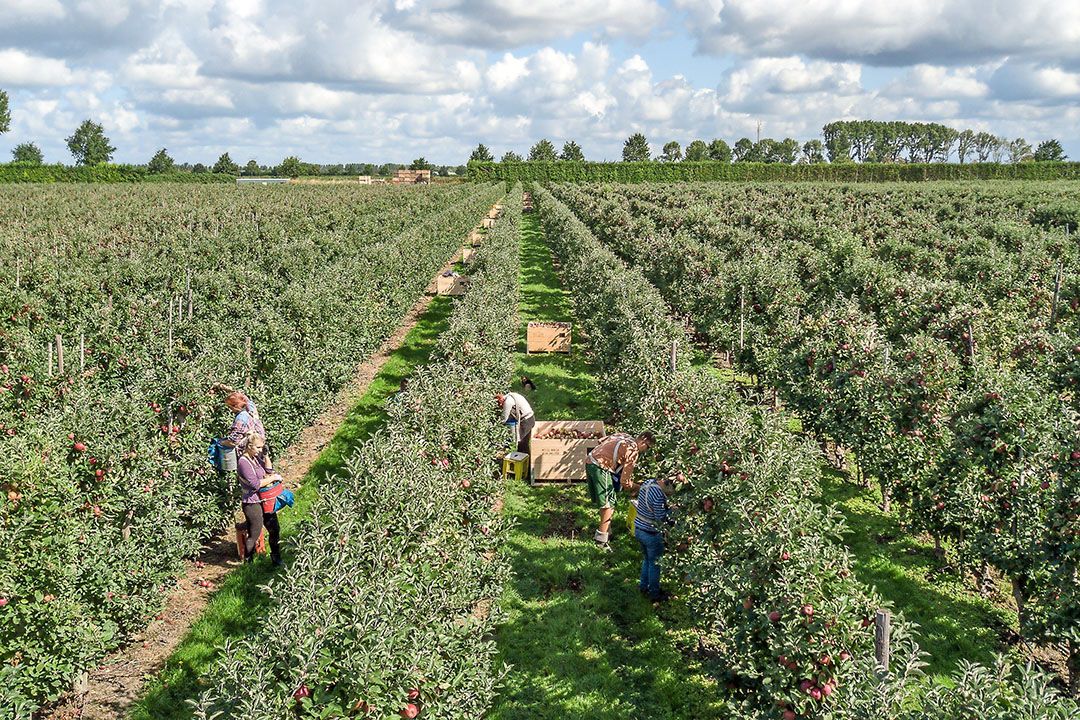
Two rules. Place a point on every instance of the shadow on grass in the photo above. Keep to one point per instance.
(582, 642)
(238, 599)
(565, 385)
(954, 623)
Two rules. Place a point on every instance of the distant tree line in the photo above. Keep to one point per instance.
(90, 146)
(843, 141)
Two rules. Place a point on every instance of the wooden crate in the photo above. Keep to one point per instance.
(547, 337)
(488, 222)
(495, 212)
(467, 254)
(454, 285)
(476, 238)
(559, 458)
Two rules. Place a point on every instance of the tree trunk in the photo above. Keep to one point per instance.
(1020, 597)
(1074, 668)
(886, 499)
(939, 551)
(986, 582)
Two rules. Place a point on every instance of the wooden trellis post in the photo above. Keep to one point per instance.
(882, 631)
(247, 359)
(170, 324)
(674, 354)
(742, 316)
(60, 353)
(1057, 294)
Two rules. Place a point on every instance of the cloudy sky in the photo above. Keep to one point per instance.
(388, 80)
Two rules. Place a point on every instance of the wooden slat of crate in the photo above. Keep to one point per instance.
(451, 285)
(539, 337)
(488, 222)
(467, 254)
(554, 459)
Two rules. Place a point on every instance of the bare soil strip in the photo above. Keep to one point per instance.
(108, 691)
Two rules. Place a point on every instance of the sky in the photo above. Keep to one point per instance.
(336, 81)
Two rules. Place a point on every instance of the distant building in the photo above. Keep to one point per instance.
(411, 177)
(260, 181)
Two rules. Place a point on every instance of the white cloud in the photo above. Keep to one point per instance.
(14, 12)
(513, 23)
(944, 32)
(935, 82)
(20, 68)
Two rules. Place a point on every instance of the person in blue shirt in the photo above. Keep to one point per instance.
(653, 516)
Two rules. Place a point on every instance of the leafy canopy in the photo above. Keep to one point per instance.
(28, 153)
(543, 151)
(89, 145)
(481, 154)
(161, 163)
(635, 149)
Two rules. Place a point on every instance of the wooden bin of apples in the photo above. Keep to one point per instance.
(467, 254)
(453, 284)
(558, 448)
(547, 337)
(476, 238)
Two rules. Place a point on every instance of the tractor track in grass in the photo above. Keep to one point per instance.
(111, 689)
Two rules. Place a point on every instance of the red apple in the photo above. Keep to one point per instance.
(3, 602)
(815, 693)
(410, 711)
(79, 447)
(789, 715)
(414, 694)
(807, 610)
(785, 556)
(774, 616)
(302, 692)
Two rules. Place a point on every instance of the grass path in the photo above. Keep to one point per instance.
(955, 623)
(239, 598)
(581, 640)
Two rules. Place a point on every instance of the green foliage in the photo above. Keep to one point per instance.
(252, 168)
(161, 163)
(481, 154)
(751, 546)
(696, 151)
(672, 152)
(23, 173)
(543, 151)
(226, 166)
(509, 157)
(414, 565)
(1019, 150)
(1049, 151)
(290, 167)
(764, 172)
(88, 514)
(28, 154)
(719, 151)
(636, 149)
(745, 151)
(571, 152)
(5, 113)
(420, 163)
(813, 151)
(89, 145)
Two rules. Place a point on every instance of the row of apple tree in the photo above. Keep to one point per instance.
(935, 331)
(771, 584)
(390, 605)
(157, 292)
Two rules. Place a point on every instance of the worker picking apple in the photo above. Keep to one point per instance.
(518, 413)
(609, 467)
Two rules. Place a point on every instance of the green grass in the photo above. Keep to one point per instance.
(581, 640)
(955, 623)
(238, 599)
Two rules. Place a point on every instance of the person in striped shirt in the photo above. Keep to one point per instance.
(653, 515)
(610, 467)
